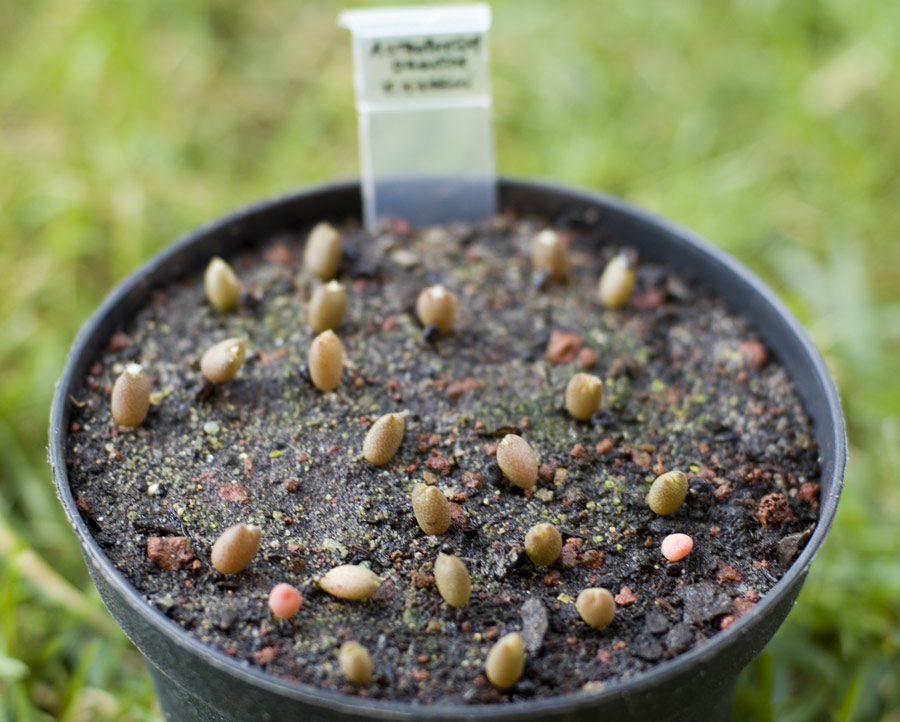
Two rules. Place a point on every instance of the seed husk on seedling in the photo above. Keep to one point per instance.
(222, 360)
(597, 607)
(549, 253)
(668, 492)
(431, 509)
(285, 600)
(517, 461)
(384, 438)
(436, 305)
(356, 662)
(543, 544)
(326, 361)
(322, 254)
(130, 397)
(584, 394)
(223, 289)
(452, 580)
(350, 581)
(616, 282)
(235, 548)
(676, 547)
(327, 306)
(505, 662)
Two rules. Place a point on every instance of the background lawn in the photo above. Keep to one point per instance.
(769, 127)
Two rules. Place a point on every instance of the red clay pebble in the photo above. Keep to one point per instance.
(170, 552)
(625, 597)
(676, 547)
(754, 353)
(773, 510)
(284, 600)
(562, 347)
(587, 357)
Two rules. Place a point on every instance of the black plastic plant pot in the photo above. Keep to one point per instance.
(196, 682)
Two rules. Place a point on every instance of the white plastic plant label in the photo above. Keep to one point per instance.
(424, 109)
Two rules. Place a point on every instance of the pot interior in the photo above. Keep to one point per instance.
(716, 662)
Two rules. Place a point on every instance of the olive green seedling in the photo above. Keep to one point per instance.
(616, 282)
(327, 306)
(384, 438)
(668, 492)
(431, 509)
(517, 461)
(543, 544)
(452, 580)
(356, 662)
(130, 397)
(235, 548)
(436, 305)
(505, 662)
(549, 253)
(223, 289)
(221, 361)
(584, 395)
(597, 607)
(350, 581)
(326, 361)
(322, 254)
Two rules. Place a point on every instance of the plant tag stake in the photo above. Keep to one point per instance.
(424, 109)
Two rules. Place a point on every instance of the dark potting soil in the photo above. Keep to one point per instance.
(688, 385)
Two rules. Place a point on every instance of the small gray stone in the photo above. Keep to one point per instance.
(704, 602)
(534, 624)
(227, 619)
(679, 638)
(164, 603)
(656, 622)
(789, 547)
(648, 649)
(573, 496)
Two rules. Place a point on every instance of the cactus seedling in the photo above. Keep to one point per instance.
(356, 662)
(676, 547)
(350, 581)
(326, 361)
(431, 509)
(584, 394)
(322, 254)
(223, 289)
(235, 548)
(327, 306)
(285, 600)
(130, 397)
(543, 544)
(384, 438)
(668, 492)
(549, 253)
(505, 662)
(616, 282)
(221, 361)
(436, 305)
(597, 607)
(517, 461)
(452, 580)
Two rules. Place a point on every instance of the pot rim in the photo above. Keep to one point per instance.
(662, 673)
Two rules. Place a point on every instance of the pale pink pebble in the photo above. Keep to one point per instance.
(284, 600)
(676, 546)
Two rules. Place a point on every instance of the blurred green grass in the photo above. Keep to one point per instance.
(767, 126)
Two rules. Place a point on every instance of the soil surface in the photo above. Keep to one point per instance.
(688, 385)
